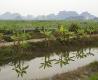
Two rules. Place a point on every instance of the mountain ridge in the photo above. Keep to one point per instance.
(62, 15)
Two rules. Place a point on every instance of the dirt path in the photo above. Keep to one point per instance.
(33, 40)
(12, 43)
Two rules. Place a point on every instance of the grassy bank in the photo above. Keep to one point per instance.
(89, 72)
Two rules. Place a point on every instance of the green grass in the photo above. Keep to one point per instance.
(93, 77)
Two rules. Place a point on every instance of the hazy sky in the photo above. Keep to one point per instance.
(44, 7)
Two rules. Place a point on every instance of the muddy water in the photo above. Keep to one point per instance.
(47, 65)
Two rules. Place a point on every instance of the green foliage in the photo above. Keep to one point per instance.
(1, 36)
(93, 77)
(23, 30)
(74, 28)
(20, 36)
(7, 38)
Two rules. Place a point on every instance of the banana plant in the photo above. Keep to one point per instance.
(69, 36)
(48, 35)
(74, 28)
(62, 33)
(1, 36)
(19, 37)
(80, 34)
(90, 29)
(15, 37)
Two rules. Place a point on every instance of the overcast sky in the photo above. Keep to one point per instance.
(44, 7)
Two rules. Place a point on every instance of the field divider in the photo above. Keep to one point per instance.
(21, 42)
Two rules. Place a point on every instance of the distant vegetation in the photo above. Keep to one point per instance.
(51, 30)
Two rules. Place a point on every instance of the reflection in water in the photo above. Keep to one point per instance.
(62, 58)
(20, 69)
(82, 53)
(47, 62)
(65, 57)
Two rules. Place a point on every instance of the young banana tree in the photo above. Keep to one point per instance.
(77, 30)
(1, 36)
(90, 30)
(19, 37)
(15, 37)
(80, 34)
(74, 28)
(63, 33)
(69, 35)
(48, 35)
